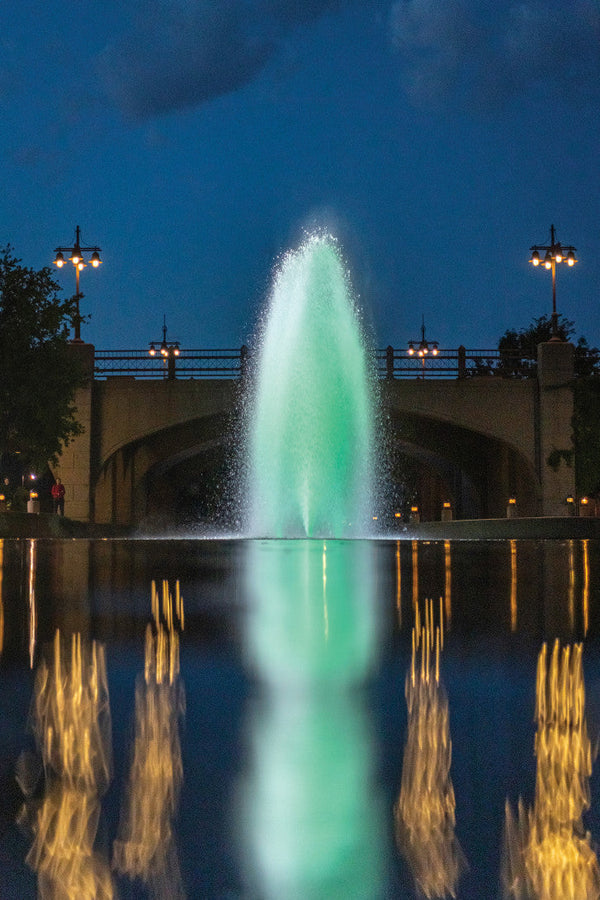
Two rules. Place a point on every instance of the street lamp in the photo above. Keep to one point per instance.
(549, 256)
(423, 347)
(79, 262)
(169, 350)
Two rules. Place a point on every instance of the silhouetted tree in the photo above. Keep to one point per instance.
(518, 349)
(586, 435)
(39, 372)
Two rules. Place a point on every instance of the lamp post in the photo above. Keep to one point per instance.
(423, 347)
(76, 257)
(549, 256)
(169, 350)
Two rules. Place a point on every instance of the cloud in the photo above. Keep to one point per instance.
(183, 53)
(299, 12)
(487, 54)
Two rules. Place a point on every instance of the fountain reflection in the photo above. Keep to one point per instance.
(71, 723)
(146, 847)
(548, 855)
(311, 824)
(425, 811)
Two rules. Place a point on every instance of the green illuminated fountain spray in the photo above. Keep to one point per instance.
(311, 412)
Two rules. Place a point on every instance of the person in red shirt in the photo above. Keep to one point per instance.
(58, 497)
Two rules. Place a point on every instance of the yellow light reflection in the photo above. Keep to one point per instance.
(425, 811)
(571, 590)
(448, 581)
(398, 584)
(146, 847)
(32, 603)
(1, 596)
(513, 585)
(548, 855)
(585, 591)
(71, 722)
(415, 573)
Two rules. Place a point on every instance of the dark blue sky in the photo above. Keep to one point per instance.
(193, 141)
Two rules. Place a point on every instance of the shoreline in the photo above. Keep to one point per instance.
(50, 526)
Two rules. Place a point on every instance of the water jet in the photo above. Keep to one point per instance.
(310, 411)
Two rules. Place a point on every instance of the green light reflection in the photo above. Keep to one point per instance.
(311, 822)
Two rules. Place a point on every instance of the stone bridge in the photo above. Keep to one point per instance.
(164, 449)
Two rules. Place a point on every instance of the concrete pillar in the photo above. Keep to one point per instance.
(74, 465)
(555, 434)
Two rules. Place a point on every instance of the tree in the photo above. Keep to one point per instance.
(519, 348)
(586, 435)
(39, 372)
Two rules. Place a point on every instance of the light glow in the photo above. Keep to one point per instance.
(72, 728)
(548, 854)
(425, 811)
(146, 847)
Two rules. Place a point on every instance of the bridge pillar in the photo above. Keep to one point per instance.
(74, 464)
(555, 437)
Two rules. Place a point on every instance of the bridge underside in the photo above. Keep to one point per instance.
(432, 462)
(184, 475)
(178, 476)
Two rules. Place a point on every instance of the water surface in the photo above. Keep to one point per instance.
(258, 740)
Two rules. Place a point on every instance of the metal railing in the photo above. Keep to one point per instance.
(458, 363)
(228, 363)
(390, 363)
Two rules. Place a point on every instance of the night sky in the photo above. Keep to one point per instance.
(194, 142)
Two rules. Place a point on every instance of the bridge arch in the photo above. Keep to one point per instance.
(176, 474)
(146, 433)
(476, 472)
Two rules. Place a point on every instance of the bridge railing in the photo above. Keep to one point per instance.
(228, 363)
(390, 363)
(453, 363)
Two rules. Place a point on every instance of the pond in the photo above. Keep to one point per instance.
(297, 719)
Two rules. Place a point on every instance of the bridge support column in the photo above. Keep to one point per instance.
(555, 436)
(74, 464)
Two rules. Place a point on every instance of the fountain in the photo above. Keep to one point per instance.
(311, 625)
(290, 775)
(310, 468)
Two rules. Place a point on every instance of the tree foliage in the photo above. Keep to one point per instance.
(586, 435)
(39, 372)
(519, 348)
